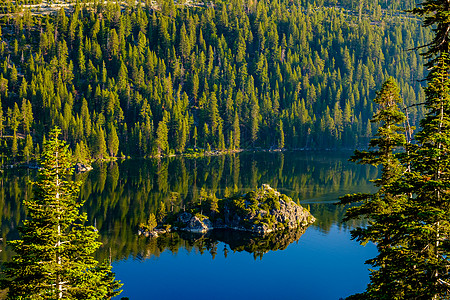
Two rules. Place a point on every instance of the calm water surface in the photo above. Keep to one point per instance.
(320, 266)
(322, 263)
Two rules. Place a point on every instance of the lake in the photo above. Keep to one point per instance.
(320, 263)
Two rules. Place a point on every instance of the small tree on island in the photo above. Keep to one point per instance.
(151, 223)
(161, 212)
(54, 257)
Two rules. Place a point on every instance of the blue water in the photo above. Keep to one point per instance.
(324, 264)
(321, 265)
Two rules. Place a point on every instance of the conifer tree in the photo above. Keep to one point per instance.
(195, 136)
(2, 119)
(427, 185)
(436, 16)
(236, 132)
(27, 151)
(54, 255)
(161, 215)
(15, 146)
(162, 137)
(213, 204)
(281, 135)
(27, 115)
(100, 143)
(113, 141)
(381, 205)
(14, 118)
(151, 222)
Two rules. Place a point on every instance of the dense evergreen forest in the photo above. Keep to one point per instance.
(157, 79)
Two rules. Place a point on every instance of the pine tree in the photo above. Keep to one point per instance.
(429, 196)
(28, 150)
(2, 119)
(381, 205)
(161, 215)
(254, 120)
(113, 141)
(436, 17)
(281, 135)
(162, 137)
(213, 204)
(14, 118)
(54, 255)
(236, 132)
(195, 136)
(27, 115)
(151, 222)
(100, 143)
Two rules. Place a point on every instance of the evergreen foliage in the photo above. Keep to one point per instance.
(172, 77)
(162, 213)
(412, 233)
(55, 253)
(380, 206)
(121, 195)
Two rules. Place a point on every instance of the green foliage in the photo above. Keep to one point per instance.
(387, 201)
(239, 204)
(151, 222)
(139, 184)
(113, 141)
(410, 212)
(213, 204)
(280, 75)
(161, 215)
(54, 255)
(27, 151)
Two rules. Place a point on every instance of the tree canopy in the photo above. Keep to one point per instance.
(147, 80)
(412, 227)
(54, 256)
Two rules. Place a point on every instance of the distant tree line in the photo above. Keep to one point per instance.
(133, 80)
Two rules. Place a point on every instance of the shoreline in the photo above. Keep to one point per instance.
(33, 165)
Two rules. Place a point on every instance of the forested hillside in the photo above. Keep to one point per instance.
(145, 80)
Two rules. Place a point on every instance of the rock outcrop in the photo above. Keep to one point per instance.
(194, 223)
(81, 168)
(261, 211)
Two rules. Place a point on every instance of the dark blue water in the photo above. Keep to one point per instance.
(320, 266)
(323, 263)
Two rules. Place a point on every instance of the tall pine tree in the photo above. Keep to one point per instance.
(386, 280)
(54, 255)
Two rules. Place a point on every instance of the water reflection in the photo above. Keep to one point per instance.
(235, 241)
(121, 195)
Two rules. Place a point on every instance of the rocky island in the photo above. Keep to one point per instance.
(261, 211)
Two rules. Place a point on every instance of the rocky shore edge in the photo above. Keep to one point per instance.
(261, 211)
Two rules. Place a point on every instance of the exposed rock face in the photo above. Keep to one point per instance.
(262, 211)
(194, 223)
(81, 168)
(265, 210)
(292, 214)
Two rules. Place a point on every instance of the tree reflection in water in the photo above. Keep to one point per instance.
(234, 240)
(120, 195)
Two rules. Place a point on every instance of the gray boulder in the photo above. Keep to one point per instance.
(194, 223)
(81, 168)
